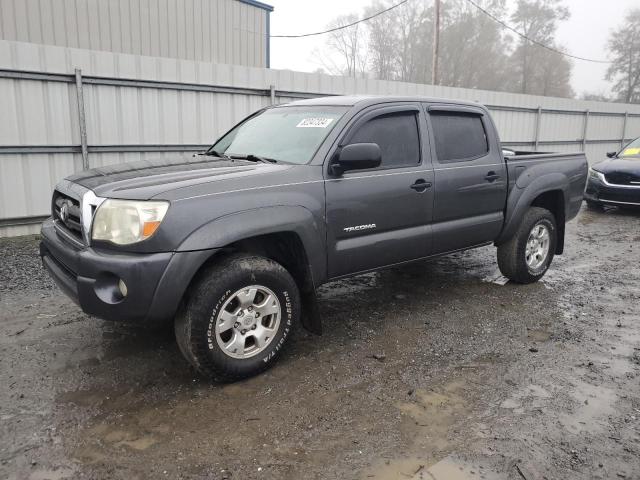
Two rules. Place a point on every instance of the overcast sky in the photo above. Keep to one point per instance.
(584, 34)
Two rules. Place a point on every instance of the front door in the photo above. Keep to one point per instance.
(382, 216)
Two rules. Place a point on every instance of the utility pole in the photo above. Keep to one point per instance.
(436, 43)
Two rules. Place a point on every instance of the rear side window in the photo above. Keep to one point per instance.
(458, 136)
(397, 136)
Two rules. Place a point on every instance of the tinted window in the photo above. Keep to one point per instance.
(458, 136)
(397, 136)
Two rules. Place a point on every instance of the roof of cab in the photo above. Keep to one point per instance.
(365, 100)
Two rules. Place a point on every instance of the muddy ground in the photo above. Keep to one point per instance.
(472, 379)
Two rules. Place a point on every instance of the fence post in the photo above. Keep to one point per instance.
(81, 120)
(624, 129)
(584, 130)
(272, 94)
(536, 139)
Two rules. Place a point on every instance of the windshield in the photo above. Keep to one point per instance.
(287, 134)
(631, 150)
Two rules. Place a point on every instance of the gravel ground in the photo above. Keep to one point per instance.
(433, 370)
(21, 269)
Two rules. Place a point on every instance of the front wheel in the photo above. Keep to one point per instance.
(237, 317)
(526, 257)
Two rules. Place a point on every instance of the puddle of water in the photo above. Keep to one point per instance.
(537, 391)
(139, 443)
(496, 277)
(399, 469)
(435, 411)
(532, 396)
(510, 403)
(451, 467)
(538, 335)
(128, 422)
(426, 424)
(82, 398)
(102, 435)
(596, 403)
(61, 473)
(90, 454)
(455, 468)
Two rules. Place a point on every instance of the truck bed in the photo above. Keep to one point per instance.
(566, 171)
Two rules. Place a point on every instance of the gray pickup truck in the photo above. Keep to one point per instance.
(231, 244)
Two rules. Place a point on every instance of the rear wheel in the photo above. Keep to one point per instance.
(238, 315)
(526, 257)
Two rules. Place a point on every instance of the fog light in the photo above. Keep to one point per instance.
(122, 287)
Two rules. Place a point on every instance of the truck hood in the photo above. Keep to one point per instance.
(146, 179)
(619, 165)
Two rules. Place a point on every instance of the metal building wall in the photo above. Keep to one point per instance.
(218, 31)
(137, 107)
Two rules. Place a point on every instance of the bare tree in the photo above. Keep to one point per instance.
(399, 40)
(383, 42)
(624, 45)
(473, 49)
(552, 77)
(349, 44)
(600, 96)
(537, 20)
(413, 41)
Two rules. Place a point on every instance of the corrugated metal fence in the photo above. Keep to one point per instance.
(220, 31)
(65, 109)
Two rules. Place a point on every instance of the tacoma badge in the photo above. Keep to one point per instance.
(360, 227)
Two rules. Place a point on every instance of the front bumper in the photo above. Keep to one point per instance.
(610, 194)
(155, 281)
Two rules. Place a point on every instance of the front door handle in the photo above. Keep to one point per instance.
(491, 176)
(421, 185)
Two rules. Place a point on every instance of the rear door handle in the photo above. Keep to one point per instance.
(491, 176)
(421, 185)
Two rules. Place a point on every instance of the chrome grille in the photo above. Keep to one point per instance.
(67, 212)
(622, 178)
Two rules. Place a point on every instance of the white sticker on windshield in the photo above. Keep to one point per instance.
(314, 122)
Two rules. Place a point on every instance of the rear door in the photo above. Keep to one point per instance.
(382, 216)
(470, 177)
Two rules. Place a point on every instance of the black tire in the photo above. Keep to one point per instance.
(594, 205)
(195, 323)
(511, 255)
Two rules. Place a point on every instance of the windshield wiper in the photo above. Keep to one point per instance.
(254, 158)
(213, 153)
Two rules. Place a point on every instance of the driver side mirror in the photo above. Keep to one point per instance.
(611, 154)
(357, 156)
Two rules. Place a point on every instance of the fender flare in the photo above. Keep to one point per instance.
(237, 226)
(253, 222)
(225, 230)
(523, 195)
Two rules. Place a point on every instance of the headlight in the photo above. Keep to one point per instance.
(127, 221)
(595, 175)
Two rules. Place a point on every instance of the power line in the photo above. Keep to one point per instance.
(344, 26)
(489, 14)
(540, 44)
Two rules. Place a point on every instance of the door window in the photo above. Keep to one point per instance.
(397, 136)
(458, 136)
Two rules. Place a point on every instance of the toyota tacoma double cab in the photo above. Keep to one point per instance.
(231, 244)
